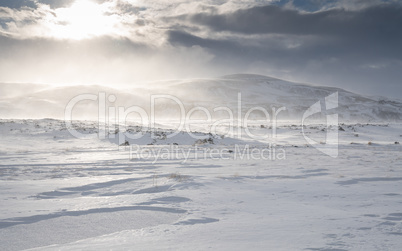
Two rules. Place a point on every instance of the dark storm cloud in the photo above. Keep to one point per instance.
(17, 4)
(371, 33)
(185, 39)
(381, 22)
(243, 54)
(367, 34)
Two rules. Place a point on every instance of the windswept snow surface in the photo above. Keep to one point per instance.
(58, 192)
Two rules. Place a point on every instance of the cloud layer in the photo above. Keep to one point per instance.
(348, 44)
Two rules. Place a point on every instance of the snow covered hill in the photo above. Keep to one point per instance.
(39, 101)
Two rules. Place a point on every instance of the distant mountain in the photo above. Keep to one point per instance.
(39, 101)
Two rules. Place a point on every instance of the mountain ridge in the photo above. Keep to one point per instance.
(39, 101)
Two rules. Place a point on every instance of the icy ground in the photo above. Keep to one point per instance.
(62, 193)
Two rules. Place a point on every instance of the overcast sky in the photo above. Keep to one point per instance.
(352, 44)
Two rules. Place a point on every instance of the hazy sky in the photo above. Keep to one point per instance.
(352, 44)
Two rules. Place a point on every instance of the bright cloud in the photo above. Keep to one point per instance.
(83, 19)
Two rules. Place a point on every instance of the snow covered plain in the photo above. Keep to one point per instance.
(62, 193)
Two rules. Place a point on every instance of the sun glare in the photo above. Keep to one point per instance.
(82, 20)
